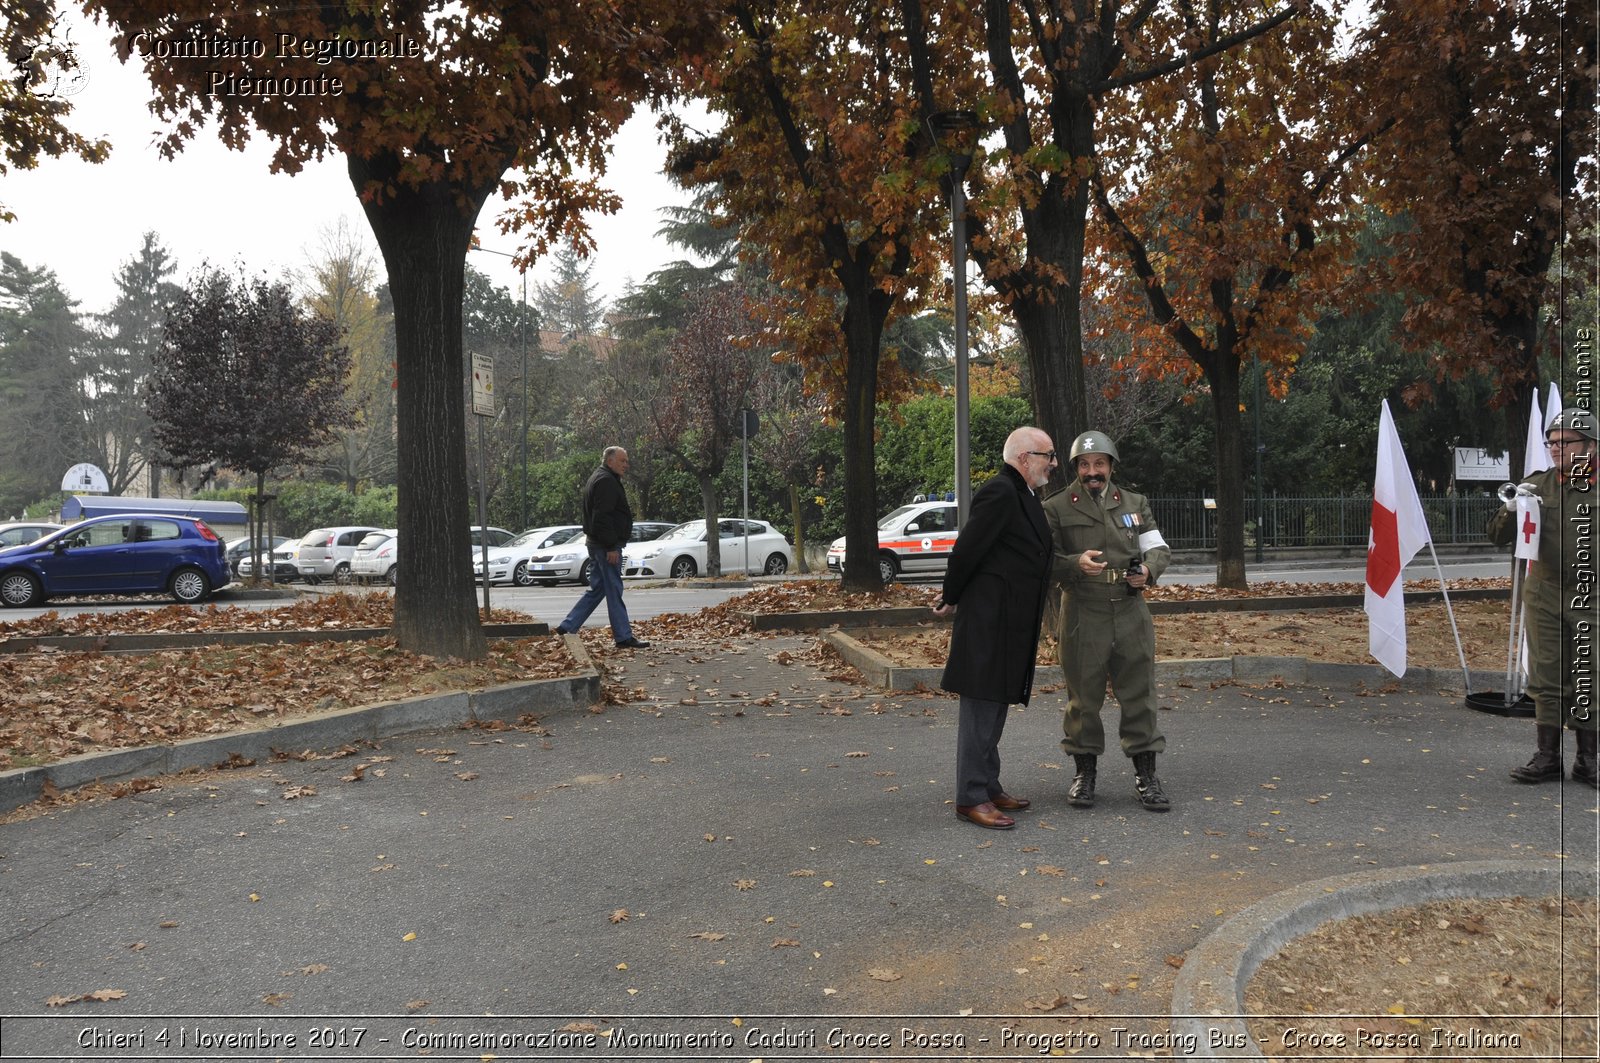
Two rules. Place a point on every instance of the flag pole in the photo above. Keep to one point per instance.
(1466, 676)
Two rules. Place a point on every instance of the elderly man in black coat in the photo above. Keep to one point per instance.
(995, 587)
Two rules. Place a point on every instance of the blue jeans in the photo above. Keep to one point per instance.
(605, 581)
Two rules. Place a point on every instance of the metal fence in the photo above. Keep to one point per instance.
(1187, 523)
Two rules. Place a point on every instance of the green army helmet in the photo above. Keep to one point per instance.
(1572, 419)
(1093, 443)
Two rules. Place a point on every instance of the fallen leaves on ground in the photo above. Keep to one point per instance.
(63, 704)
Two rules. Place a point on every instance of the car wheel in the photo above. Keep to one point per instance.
(341, 574)
(390, 575)
(584, 571)
(521, 576)
(683, 568)
(887, 569)
(776, 565)
(20, 589)
(190, 585)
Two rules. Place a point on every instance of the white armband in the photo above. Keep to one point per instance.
(1149, 540)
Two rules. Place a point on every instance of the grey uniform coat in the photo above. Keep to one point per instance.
(998, 573)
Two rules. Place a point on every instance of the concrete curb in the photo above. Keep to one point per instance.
(1208, 996)
(327, 730)
(1297, 671)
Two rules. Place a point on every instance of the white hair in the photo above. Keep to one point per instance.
(1019, 442)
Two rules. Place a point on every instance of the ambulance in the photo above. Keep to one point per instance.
(914, 540)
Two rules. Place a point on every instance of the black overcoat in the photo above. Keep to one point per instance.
(997, 577)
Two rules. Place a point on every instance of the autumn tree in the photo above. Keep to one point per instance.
(789, 441)
(435, 107)
(40, 76)
(708, 381)
(824, 165)
(340, 283)
(1222, 188)
(119, 434)
(245, 379)
(1037, 74)
(1493, 153)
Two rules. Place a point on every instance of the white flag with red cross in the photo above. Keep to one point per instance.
(1399, 530)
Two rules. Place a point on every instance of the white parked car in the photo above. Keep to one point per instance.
(19, 533)
(375, 558)
(681, 552)
(285, 566)
(509, 563)
(914, 540)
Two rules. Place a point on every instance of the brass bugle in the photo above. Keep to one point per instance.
(1510, 492)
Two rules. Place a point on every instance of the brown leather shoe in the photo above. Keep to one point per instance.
(986, 815)
(1006, 803)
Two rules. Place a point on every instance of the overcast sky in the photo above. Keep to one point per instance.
(84, 221)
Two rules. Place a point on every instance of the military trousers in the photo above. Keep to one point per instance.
(1562, 660)
(1109, 639)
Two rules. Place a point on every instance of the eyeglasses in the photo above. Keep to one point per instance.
(1556, 444)
(1048, 455)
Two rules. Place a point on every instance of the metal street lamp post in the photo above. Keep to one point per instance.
(956, 132)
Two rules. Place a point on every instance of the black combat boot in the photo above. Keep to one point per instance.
(1081, 793)
(1546, 764)
(1146, 785)
(1585, 768)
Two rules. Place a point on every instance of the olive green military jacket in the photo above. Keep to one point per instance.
(1123, 530)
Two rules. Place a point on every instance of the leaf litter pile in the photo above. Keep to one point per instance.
(59, 704)
(1454, 979)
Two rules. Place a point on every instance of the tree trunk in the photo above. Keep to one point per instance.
(1223, 376)
(424, 234)
(798, 509)
(708, 508)
(862, 326)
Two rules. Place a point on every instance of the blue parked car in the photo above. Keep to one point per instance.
(131, 553)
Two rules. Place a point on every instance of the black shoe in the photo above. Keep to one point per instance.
(632, 644)
(1545, 766)
(1586, 768)
(1146, 785)
(562, 630)
(1081, 793)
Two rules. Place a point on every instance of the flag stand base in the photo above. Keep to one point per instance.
(1493, 702)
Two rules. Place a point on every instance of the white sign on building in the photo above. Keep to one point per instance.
(1474, 463)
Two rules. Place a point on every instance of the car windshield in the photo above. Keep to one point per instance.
(531, 537)
(893, 518)
(693, 530)
(373, 540)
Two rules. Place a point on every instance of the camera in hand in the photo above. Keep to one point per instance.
(1134, 567)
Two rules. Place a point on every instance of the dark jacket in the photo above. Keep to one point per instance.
(607, 520)
(997, 577)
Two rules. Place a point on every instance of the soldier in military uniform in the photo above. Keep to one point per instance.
(1559, 598)
(1107, 551)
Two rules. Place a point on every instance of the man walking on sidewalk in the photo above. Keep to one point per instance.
(607, 523)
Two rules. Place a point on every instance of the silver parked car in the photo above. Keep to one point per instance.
(325, 553)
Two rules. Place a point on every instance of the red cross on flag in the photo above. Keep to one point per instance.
(1399, 530)
(1528, 527)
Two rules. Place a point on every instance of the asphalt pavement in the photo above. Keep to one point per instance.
(756, 859)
